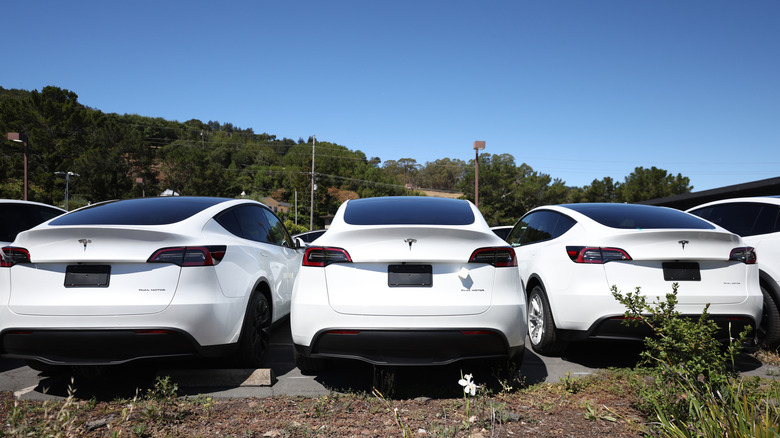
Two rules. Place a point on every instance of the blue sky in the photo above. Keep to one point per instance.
(579, 89)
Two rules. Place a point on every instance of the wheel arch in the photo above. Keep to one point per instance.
(770, 285)
(262, 287)
(533, 281)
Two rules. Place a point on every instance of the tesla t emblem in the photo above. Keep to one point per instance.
(683, 243)
(85, 242)
(410, 242)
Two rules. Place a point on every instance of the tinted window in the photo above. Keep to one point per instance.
(251, 222)
(743, 218)
(404, 210)
(17, 217)
(142, 211)
(276, 230)
(538, 226)
(635, 216)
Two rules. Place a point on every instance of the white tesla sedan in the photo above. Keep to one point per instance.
(569, 257)
(147, 278)
(407, 281)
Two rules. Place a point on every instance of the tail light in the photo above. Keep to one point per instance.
(320, 256)
(12, 255)
(745, 254)
(500, 257)
(190, 255)
(595, 254)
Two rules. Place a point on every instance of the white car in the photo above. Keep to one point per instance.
(147, 278)
(569, 257)
(407, 281)
(757, 220)
(17, 216)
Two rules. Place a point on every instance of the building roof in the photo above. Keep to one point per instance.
(764, 187)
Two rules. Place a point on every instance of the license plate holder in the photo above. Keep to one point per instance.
(87, 275)
(681, 271)
(410, 275)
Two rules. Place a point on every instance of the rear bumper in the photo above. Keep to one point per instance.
(410, 347)
(729, 327)
(103, 346)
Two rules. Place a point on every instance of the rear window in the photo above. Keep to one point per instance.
(405, 210)
(635, 216)
(142, 211)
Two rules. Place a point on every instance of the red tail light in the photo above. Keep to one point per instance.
(501, 257)
(595, 254)
(320, 256)
(12, 255)
(745, 254)
(189, 255)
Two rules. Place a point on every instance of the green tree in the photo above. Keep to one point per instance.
(643, 184)
(442, 174)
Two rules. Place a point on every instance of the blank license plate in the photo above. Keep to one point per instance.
(681, 271)
(410, 275)
(87, 275)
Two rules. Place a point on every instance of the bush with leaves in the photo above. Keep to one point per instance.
(684, 357)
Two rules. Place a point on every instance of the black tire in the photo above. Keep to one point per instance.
(256, 332)
(308, 365)
(541, 327)
(769, 330)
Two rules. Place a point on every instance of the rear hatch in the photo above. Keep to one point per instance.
(410, 271)
(92, 271)
(697, 260)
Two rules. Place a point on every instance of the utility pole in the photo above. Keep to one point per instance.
(311, 207)
(478, 146)
(21, 138)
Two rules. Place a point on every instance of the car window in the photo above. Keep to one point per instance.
(539, 226)
(636, 216)
(515, 237)
(408, 210)
(247, 221)
(141, 211)
(276, 231)
(743, 218)
(17, 217)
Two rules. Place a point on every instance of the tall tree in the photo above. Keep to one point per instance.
(643, 184)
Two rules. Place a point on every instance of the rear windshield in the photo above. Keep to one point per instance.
(142, 211)
(634, 216)
(406, 210)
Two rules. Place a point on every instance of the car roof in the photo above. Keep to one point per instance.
(775, 200)
(20, 201)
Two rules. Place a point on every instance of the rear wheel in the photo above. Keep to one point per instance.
(541, 327)
(256, 333)
(769, 329)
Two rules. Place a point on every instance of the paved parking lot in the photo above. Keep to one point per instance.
(196, 377)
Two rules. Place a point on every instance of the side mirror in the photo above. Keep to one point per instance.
(299, 243)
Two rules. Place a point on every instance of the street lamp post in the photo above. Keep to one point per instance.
(67, 183)
(21, 138)
(478, 146)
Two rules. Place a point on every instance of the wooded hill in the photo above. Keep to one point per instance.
(125, 156)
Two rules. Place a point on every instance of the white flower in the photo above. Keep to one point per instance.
(469, 387)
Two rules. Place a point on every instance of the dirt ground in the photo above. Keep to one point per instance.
(566, 409)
